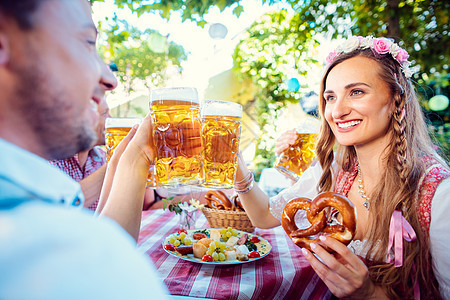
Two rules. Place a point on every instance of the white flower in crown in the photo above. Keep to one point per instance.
(405, 64)
(407, 71)
(382, 46)
(350, 44)
(366, 42)
(394, 50)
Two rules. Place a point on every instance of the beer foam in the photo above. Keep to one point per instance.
(122, 122)
(221, 108)
(187, 94)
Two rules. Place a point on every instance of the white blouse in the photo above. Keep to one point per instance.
(306, 186)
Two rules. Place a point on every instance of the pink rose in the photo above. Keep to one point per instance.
(381, 45)
(331, 57)
(402, 56)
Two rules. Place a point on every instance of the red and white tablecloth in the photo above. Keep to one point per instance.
(283, 274)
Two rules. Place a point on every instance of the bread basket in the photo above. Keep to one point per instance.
(219, 218)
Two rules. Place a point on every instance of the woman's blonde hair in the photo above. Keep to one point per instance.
(403, 167)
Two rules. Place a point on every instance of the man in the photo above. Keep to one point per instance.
(88, 167)
(52, 79)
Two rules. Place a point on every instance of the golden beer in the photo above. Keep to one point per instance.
(298, 157)
(113, 136)
(177, 136)
(151, 179)
(116, 129)
(221, 130)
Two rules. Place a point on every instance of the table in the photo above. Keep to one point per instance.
(283, 274)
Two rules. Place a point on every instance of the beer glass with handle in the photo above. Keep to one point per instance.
(177, 136)
(115, 131)
(221, 131)
(293, 161)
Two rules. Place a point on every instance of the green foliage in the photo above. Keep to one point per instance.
(439, 122)
(441, 134)
(191, 10)
(421, 26)
(268, 52)
(172, 205)
(129, 49)
(277, 47)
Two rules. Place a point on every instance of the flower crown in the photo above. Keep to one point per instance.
(381, 46)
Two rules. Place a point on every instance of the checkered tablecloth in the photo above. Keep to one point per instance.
(283, 274)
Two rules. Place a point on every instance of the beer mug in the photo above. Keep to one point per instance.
(177, 136)
(116, 129)
(151, 178)
(293, 161)
(221, 131)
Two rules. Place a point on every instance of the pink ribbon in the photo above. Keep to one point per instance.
(398, 230)
(401, 229)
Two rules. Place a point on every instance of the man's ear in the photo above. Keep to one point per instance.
(4, 49)
(5, 46)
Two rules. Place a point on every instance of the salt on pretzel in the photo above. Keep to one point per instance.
(218, 200)
(317, 216)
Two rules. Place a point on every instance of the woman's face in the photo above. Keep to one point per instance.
(358, 103)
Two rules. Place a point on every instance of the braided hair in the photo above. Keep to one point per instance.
(403, 167)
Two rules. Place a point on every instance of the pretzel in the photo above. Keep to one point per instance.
(319, 219)
(218, 200)
(237, 203)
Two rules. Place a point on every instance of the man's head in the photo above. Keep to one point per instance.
(22, 11)
(51, 75)
(103, 112)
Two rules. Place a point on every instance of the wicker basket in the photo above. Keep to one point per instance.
(219, 218)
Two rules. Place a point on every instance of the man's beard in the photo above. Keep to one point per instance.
(44, 105)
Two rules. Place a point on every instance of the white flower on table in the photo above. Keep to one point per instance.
(188, 215)
(187, 207)
(196, 204)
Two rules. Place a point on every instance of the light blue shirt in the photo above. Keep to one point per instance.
(51, 248)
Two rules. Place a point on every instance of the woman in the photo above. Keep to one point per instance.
(385, 164)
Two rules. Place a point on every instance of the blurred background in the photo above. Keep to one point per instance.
(266, 55)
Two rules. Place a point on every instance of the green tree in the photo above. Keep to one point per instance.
(134, 54)
(191, 10)
(423, 25)
(420, 26)
(277, 47)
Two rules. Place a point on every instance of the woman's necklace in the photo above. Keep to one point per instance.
(361, 191)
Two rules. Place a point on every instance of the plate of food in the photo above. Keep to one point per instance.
(216, 246)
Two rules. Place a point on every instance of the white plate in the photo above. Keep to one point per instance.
(263, 247)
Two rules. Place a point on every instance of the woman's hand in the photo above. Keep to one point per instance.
(343, 272)
(287, 139)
